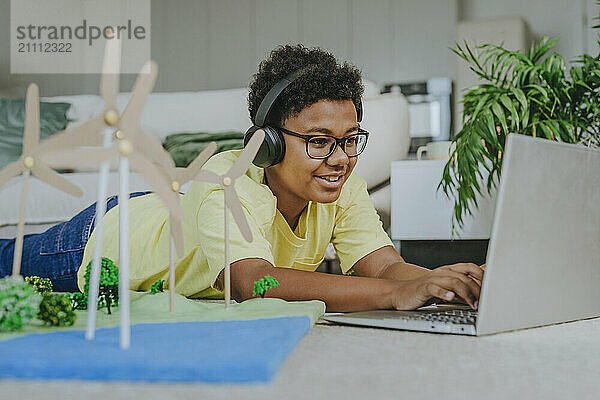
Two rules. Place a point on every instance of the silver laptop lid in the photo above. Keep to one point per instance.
(543, 262)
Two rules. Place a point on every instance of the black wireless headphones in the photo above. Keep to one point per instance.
(272, 150)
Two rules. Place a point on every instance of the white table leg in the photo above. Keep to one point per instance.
(227, 269)
(18, 254)
(172, 273)
(99, 229)
(125, 337)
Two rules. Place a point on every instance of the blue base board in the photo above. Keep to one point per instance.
(218, 352)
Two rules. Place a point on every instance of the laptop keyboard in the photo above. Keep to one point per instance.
(448, 316)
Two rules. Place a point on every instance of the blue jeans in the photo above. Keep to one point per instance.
(56, 253)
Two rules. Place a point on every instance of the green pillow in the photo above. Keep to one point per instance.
(184, 147)
(53, 119)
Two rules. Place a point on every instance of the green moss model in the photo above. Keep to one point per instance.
(19, 303)
(261, 286)
(158, 286)
(40, 285)
(56, 310)
(108, 292)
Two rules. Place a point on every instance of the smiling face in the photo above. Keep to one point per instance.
(298, 179)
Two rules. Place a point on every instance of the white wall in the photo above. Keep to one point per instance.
(211, 44)
(221, 42)
(568, 20)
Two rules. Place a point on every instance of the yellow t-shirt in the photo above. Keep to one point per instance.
(350, 223)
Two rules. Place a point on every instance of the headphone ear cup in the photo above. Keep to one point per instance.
(272, 149)
(276, 145)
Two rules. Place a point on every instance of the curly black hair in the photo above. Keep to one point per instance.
(322, 78)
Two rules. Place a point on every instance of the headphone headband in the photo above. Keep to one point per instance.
(271, 96)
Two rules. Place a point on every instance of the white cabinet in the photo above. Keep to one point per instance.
(420, 212)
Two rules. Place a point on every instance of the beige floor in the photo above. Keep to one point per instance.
(335, 362)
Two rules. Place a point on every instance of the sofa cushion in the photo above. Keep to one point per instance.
(53, 118)
(184, 147)
(205, 111)
(83, 107)
(174, 112)
(386, 118)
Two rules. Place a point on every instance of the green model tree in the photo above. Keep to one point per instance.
(40, 285)
(262, 285)
(19, 303)
(56, 310)
(108, 292)
(158, 286)
(79, 301)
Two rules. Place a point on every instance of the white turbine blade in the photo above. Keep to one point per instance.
(87, 134)
(184, 175)
(153, 150)
(111, 68)
(177, 233)
(76, 158)
(10, 171)
(245, 159)
(155, 179)
(167, 172)
(31, 135)
(208, 176)
(142, 88)
(54, 179)
(233, 202)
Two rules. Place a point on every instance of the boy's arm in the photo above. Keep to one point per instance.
(386, 263)
(340, 293)
(352, 293)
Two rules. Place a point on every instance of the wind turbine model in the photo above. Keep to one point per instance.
(30, 162)
(87, 133)
(227, 181)
(179, 177)
(132, 145)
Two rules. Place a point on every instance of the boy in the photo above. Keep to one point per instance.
(304, 197)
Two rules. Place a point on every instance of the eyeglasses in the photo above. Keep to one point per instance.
(322, 146)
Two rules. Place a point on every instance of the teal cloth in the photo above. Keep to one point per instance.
(149, 308)
(53, 119)
(210, 351)
(184, 147)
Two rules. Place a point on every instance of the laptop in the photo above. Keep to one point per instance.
(543, 260)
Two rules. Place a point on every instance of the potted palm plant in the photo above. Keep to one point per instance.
(528, 93)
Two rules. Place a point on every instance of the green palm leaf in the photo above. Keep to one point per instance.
(524, 93)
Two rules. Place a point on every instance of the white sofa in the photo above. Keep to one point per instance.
(385, 116)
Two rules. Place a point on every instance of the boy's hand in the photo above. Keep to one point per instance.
(472, 270)
(460, 282)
